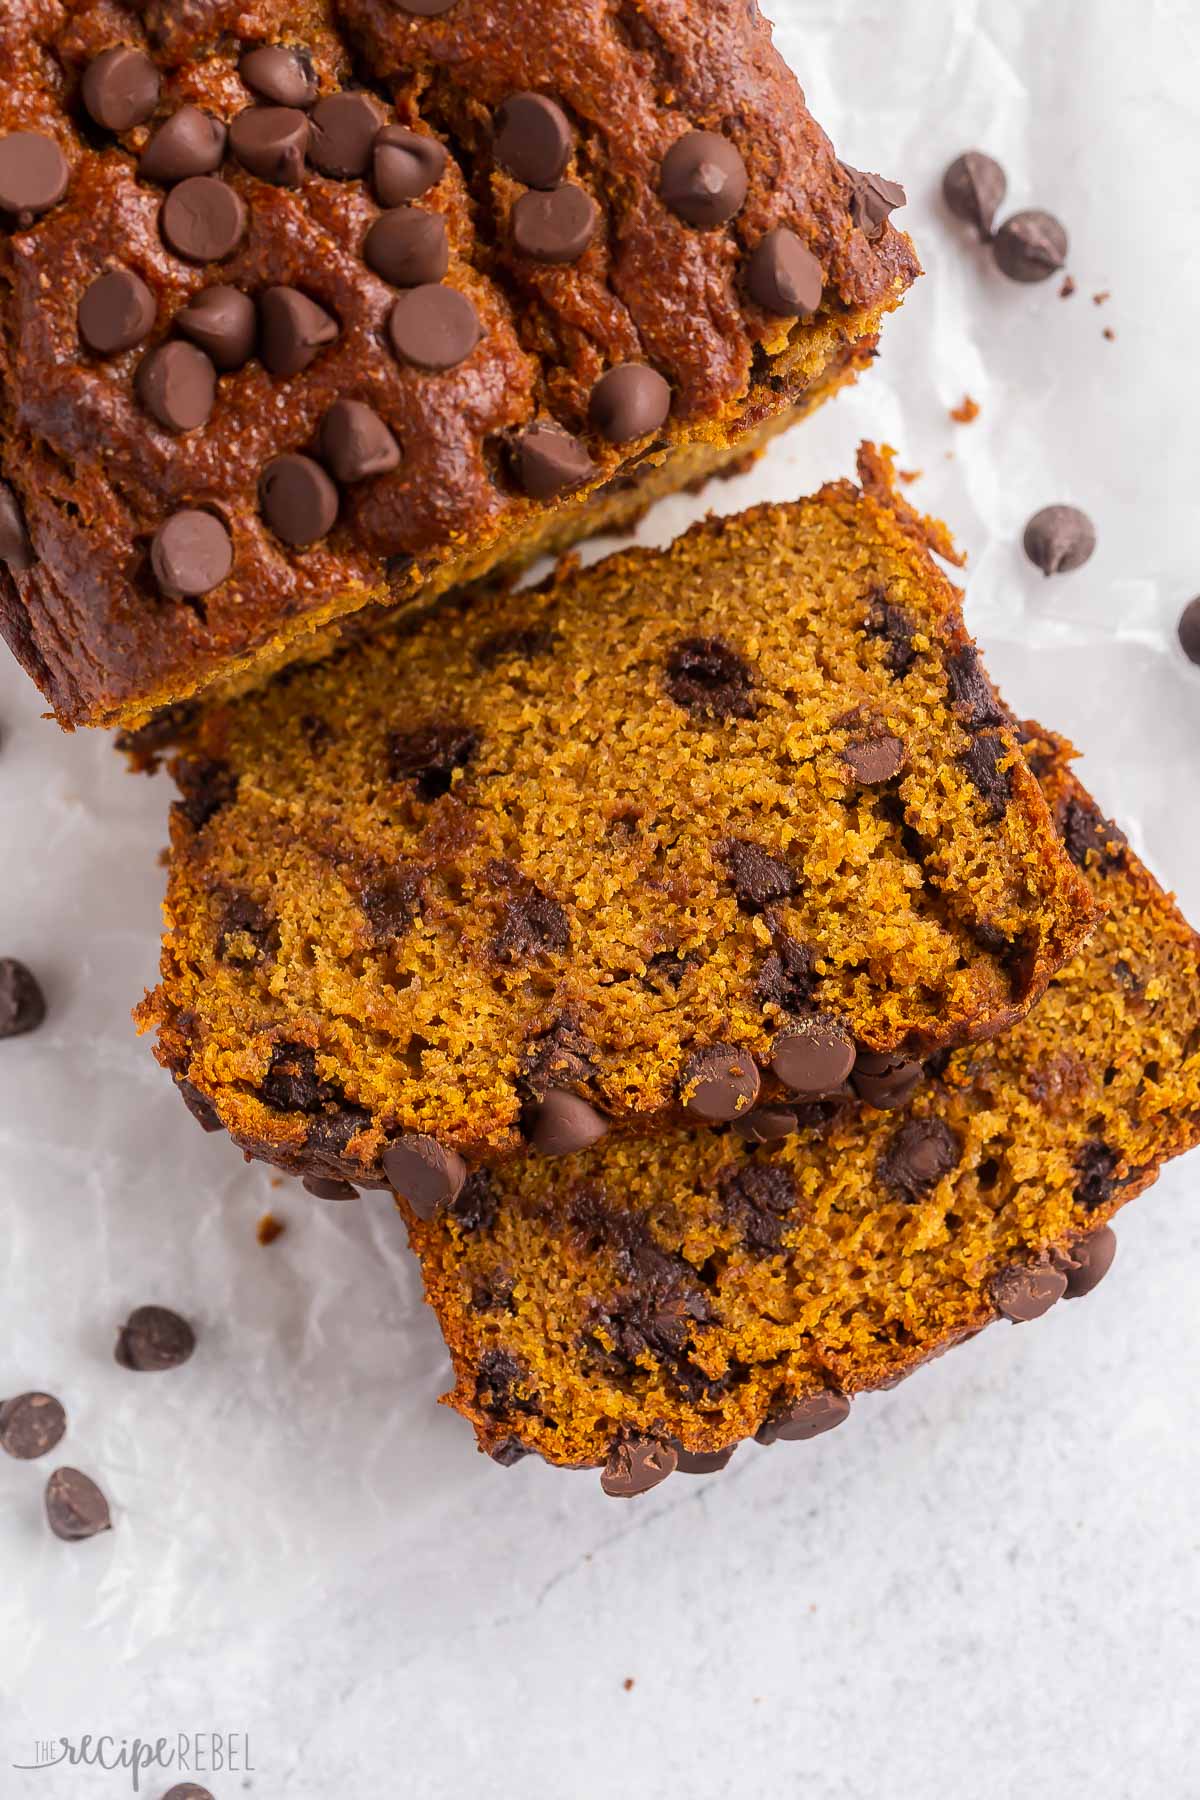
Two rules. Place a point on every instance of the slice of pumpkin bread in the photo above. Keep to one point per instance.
(647, 1305)
(661, 839)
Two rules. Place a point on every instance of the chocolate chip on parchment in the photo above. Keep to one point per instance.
(280, 74)
(1188, 629)
(270, 141)
(405, 165)
(223, 322)
(719, 1083)
(1031, 246)
(177, 385)
(564, 1124)
(434, 327)
(344, 129)
(533, 139)
(407, 246)
(707, 678)
(1091, 1259)
(190, 142)
(815, 1057)
(154, 1338)
(22, 1003)
(555, 226)
(355, 443)
(629, 402)
(16, 551)
(918, 1156)
(873, 200)
(703, 178)
(33, 175)
(294, 330)
(31, 1425)
(635, 1465)
(75, 1507)
(1059, 539)
(783, 276)
(422, 1172)
(203, 219)
(551, 462)
(120, 88)
(298, 500)
(1022, 1293)
(116, 311)
(872, 761)
(796, 1421)
(973, 187)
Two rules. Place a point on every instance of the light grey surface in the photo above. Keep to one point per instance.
(985, 1585)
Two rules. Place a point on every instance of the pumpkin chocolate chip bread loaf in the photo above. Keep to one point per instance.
(669, 837)
(649, 1304)
(309, 305)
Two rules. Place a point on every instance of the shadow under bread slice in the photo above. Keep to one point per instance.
(663, 839)
(649, 1305)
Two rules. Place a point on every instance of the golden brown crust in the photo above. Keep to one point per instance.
(96, 478)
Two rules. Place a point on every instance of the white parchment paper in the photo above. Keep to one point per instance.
(987, 1583)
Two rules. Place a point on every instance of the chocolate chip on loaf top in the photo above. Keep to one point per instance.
(650, 1303)
(673, 835)
(306, 306)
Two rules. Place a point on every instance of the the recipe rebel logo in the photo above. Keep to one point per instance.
(184, 1753)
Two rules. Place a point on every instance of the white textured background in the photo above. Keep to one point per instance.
(986, 1585)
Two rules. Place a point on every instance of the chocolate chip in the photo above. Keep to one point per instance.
(629, 402)
(223, 322)
(1188, 629)
(190, 142)
(555, 227)
(896, 628)
(16, 551)
(564, 1124)
(970, 690)
(719, 1083)
(783, 276)
(33, 175)
(177, 385)
(507, 1451)
(116, 312)
(786, 979)
(758, 878)
(703, 178)
(31, 1425)
(408, 246)
(796, 1421)
(202, 219)
(982, 760)
(1025, 1293)
(815, 1057)
(434, 327)
(324, 1189)
(355, 442)
(120, 88)
(280, 74)
(294, 330)
(1059, 539)
(766, 1124)
(635, 1465)
(187, 1790)
(1031, 246)
(1091, 1259)
(190, 554)
(533, 139)
(75, 1507)
(1085, 832)
(707, 678)
(885, 1081)
(551, 462)
(405, 165)
(918, 1156)
(423, 1173)
(22, 1003)
(873, 200)
(200, 1106)
(701, 1462)
(270, 141)
(298, 500)
(429, 756)
(344, 128)
(154, 1338)
(874, 760)
(973, 187)
(1095, 1174)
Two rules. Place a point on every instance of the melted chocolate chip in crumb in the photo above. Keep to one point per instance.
(918, 1156)
(522, 642)
(1095, 1174)
(244, 922)
(531, 922)
(1086, 832)
(430, 756)
(760, 1198)
(897, 629)
(972, 693)
(787, 979)
(982, 762)
(291, 1083)
(758, 878)
(709, 679)
(205, 786)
